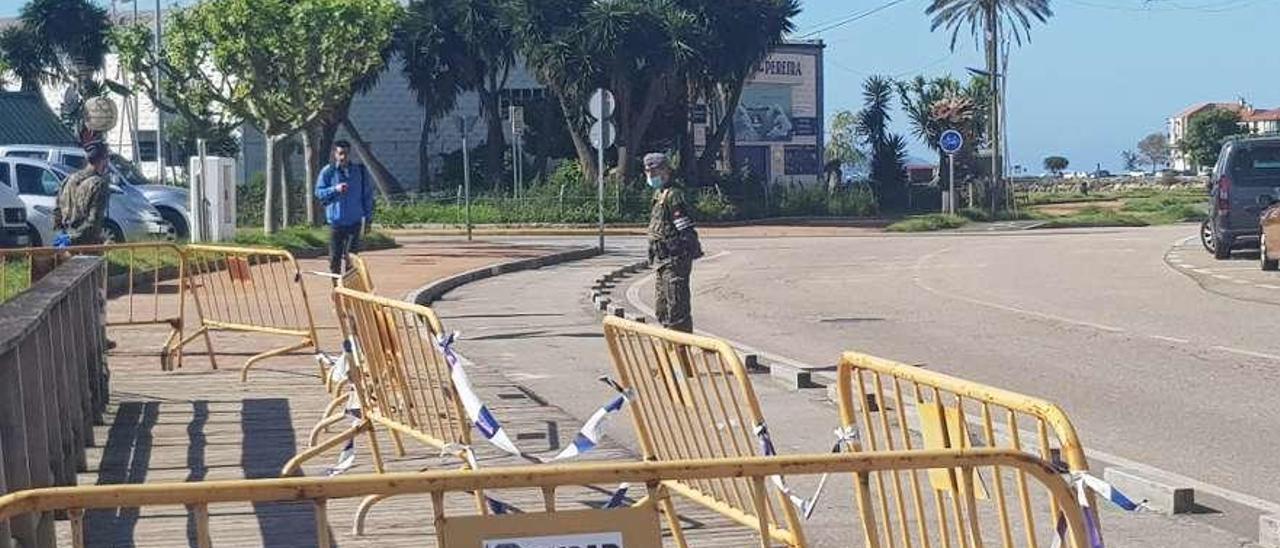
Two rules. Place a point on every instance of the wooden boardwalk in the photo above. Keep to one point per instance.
(199, 424)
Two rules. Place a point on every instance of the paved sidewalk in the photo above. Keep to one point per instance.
(201, 424)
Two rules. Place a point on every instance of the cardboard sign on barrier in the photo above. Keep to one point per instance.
(957, 436)
(635, 527)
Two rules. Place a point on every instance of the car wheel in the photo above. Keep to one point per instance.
(1267, 263)
(33, 237)
(111, 233)
(180, 229)
(1206, 235)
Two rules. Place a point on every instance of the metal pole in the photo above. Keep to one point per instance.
(202, 212)
(951, 174)
(515, 161)
(159, 115)
(466, 178)
(604, 136)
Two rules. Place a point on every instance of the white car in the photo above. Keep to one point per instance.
(15, 231)
(171, 201)
(130, 218)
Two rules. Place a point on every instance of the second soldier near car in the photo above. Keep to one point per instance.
(673, 245)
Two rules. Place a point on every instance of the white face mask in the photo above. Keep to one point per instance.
(655, 182)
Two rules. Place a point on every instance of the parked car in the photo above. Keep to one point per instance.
(130, 217)
(1243, 183)
(1269, 226)
(14, 228)
(171, 201)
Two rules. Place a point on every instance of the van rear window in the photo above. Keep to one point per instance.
(1258, 166)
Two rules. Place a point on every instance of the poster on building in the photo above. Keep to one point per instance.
(777, 123)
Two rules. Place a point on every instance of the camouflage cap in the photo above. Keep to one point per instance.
(655, 160)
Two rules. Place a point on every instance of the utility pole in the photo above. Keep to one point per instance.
(159, 113)
(993, 69)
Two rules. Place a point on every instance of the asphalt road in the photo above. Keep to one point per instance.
(1162, 356)
(1159, 353)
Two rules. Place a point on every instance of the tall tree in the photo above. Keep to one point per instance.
(488, 55)
(988, 21)
(430, 47)
(1154, 149)
(842, 141)
(1056, 164)
(25, 57)
(731, 40)
(1205, 133)
(281, 64)
(888, 150)
(632, 47)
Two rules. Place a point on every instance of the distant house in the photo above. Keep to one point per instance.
(921, 173)
(25, 119)
(1252, 120)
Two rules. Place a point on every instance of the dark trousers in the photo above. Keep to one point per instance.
(342, 240)
(671, 294)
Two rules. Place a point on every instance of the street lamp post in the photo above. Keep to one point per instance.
(159, 114)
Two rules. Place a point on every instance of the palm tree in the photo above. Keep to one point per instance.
(934, 106)
(488, 48)
(24, 57)
(888, 150)
(75, 33)
(986, 19)
(430, 48)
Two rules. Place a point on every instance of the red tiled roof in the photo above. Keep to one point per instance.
(1193, 109)
(1272, 115)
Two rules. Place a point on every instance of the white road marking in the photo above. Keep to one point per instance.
(1221, 277)
(1249, 353)
(1170, 339)
(1239, 281)
(1268, 286)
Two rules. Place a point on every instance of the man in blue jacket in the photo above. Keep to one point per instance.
(347, 194)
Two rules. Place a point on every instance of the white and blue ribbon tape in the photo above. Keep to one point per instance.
(587, 438)
(809, 504)
(1083, 482)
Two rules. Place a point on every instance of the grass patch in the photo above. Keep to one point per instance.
(928, 223)
(307, 240)
(1137, 210)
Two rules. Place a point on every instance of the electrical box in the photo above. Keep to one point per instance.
(213, 199)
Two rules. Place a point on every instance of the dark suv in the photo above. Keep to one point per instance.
(1244, 182)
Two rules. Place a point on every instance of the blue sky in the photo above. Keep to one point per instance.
(1092, 82)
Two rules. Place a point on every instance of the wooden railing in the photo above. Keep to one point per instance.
(53, 387)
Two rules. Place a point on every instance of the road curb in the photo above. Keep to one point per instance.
(432, 292)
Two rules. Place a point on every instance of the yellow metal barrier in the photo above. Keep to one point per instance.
(638, 525)
(246, 289)
(893, 406)
(356, 278)
(141, 276)
(693, 400)
(401, 381)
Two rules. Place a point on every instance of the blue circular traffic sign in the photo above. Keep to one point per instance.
(950, 141)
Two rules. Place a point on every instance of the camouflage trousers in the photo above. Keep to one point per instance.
(671, 294)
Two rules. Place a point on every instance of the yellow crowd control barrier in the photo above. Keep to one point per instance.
(356, 278)
(893, 406)
(635, 527)
(143, 278)
(401, 381)
(693, 400)
(246, 289)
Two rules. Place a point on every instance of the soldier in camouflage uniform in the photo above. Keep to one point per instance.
(672, 245)
(83, 199)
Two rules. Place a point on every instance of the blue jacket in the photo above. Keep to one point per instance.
(353, 207)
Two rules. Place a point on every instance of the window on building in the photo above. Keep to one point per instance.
(147, 145)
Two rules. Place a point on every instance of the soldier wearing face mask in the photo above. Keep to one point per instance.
(673, 245)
